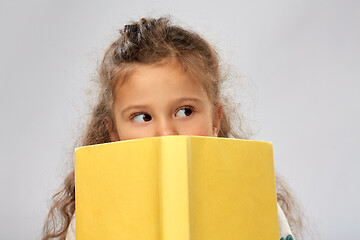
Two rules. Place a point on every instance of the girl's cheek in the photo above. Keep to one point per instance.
(134, 131)
(202, 127)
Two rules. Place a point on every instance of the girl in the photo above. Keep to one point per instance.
(157, 79)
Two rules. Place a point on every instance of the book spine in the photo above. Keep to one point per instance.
(174, 190)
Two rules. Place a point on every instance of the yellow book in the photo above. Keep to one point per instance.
(176, 188)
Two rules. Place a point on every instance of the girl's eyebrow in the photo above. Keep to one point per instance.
(134, 107)
(185, 99)
(146, 106)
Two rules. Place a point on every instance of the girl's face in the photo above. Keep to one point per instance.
(161, 100)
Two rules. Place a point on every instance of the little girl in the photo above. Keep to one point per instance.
(157, 79)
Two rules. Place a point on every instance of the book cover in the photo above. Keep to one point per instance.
(176, 188)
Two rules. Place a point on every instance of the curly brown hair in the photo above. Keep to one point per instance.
(152, 41)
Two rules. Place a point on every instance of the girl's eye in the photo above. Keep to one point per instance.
(141, 117)
(184, 112)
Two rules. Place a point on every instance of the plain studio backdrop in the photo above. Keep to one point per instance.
(299, 67)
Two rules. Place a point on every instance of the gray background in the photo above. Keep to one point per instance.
(299, 67)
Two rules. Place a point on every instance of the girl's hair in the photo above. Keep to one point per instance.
(151, 41)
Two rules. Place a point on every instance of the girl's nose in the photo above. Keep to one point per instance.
(166, 127)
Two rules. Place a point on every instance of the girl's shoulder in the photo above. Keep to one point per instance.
(284, 228)
(71, 230)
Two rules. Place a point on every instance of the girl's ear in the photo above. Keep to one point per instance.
(217, 120)
(111, 130)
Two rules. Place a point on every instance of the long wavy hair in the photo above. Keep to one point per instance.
(152, 41)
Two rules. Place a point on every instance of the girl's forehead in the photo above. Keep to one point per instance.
(153, 81)
(161, 75)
